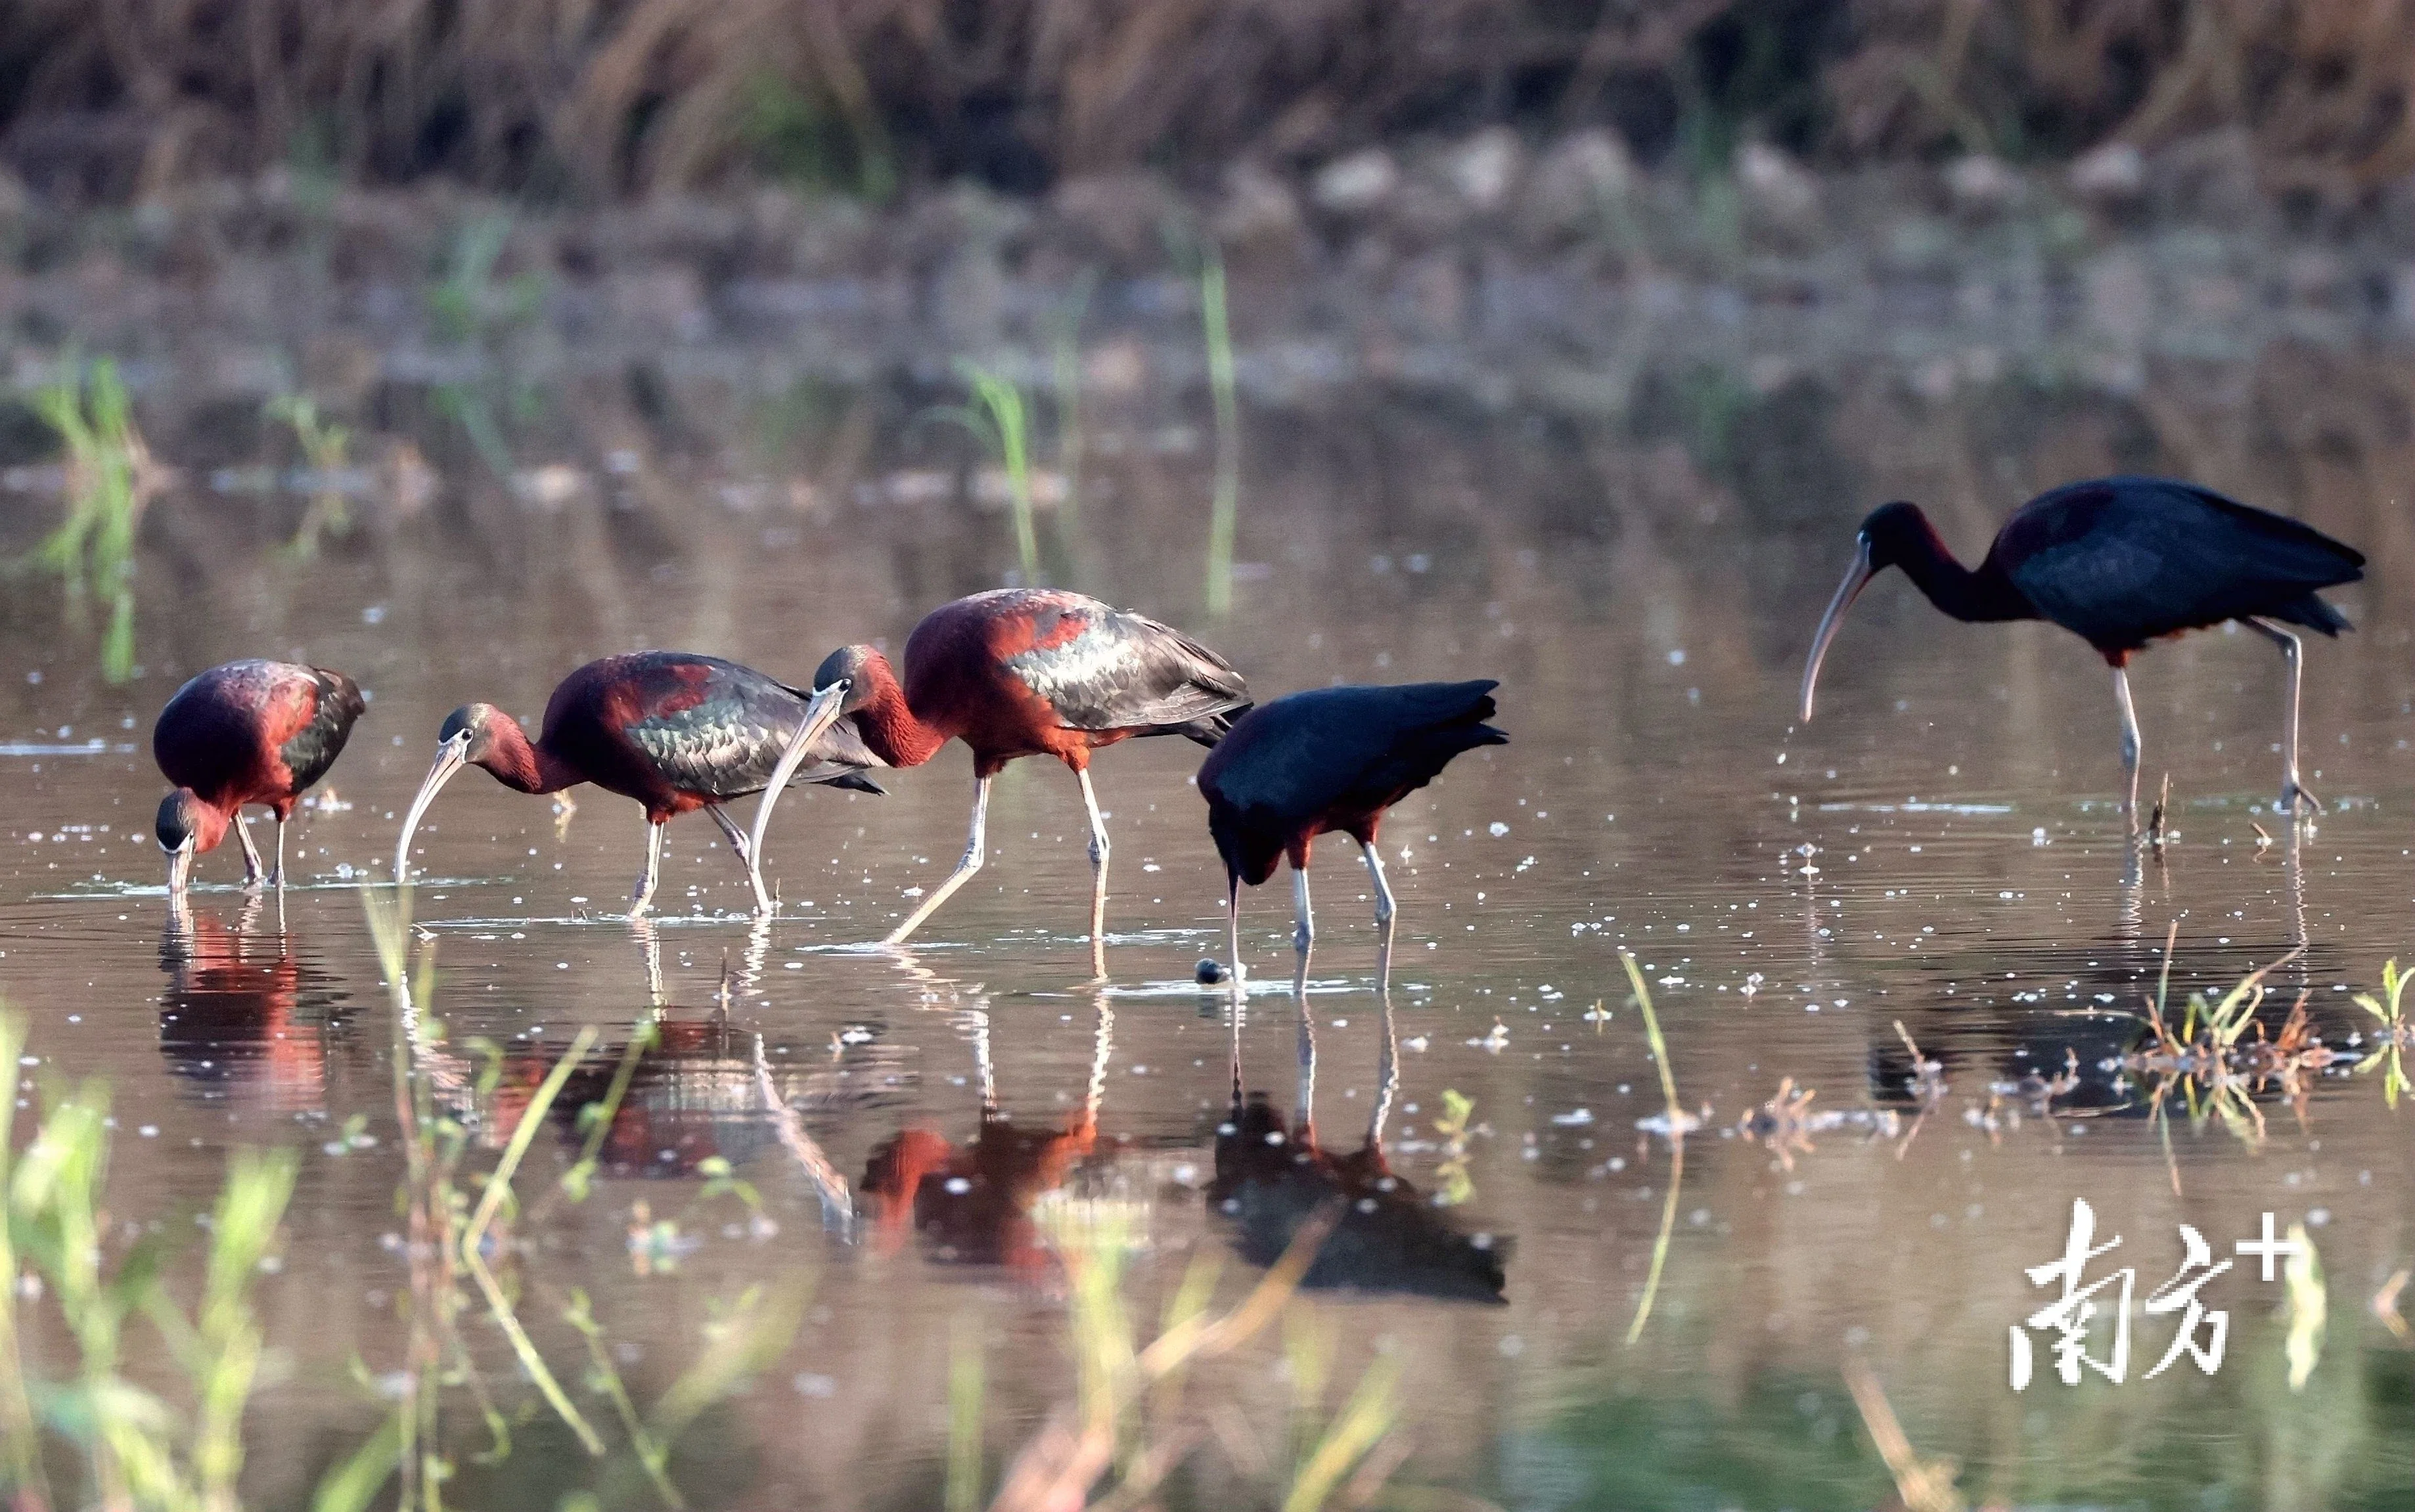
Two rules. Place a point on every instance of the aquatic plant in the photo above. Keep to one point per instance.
(110, 477)
(1225, 501)
(470, 308)
(2394, 1036)
(996, 416)
(325, 448)
(1127, 1425)
(1679, 1121)
(455, 1241)
(137, 1451)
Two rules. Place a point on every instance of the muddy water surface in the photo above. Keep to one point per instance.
(1936, 862)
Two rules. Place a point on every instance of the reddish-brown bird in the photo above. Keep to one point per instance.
(1033, 671)
(246, 732)
(1330, 759)
(677, 732)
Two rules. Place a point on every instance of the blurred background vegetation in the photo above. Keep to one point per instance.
(582, 101)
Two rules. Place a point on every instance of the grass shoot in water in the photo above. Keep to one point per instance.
(325, 448)
(109, 476)
(135, 1449)
(1222, 390)
(996, 417)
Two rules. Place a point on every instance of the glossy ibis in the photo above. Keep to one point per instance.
(676, 732)
(1033, 671)
(2121, 563)
(1330, 758)
(246, 732)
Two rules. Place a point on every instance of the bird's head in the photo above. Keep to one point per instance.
(471, 728)
(1891, 535)
(1894, 534)
(186, 827)
(467, 738)
(865, 669)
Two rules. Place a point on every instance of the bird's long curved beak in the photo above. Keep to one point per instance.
(1856, 578)
(180, 868)
(821, 713)
(451, 756)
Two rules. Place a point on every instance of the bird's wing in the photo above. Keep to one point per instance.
(1311, 752)
(2136, 559)
(335, 702)
(718, 728)
(1110, 670)
(710, 726)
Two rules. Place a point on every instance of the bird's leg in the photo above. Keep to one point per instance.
(1233, 934)
(252, 870)
(745, 854)
(2295, 799)
(645, 890)
(1303, 934)
(964, 868)
(2129, 742)
(1384, 914)
(276, 875)
(1097, 876)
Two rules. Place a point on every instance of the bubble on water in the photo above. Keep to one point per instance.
(1496, 828)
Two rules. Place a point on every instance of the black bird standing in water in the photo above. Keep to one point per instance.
(2120, 562)
(1330, 758)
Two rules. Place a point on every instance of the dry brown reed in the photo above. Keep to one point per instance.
(577, 98)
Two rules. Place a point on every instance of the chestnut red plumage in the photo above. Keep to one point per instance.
(1033, 671)
(246, 732)
(675, 731)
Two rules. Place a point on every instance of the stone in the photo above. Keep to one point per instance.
(1775, 185)
(1357, 184)
(1983, 183)
(2112, 173)
(1577, 180)
(1485, 168)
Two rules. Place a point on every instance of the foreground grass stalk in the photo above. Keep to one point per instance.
(997, 415)
(1677, 1123)
(965, 1414)
(19, 1448)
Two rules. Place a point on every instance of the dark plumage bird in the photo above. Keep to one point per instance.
(677, 732)
(1330, 758)
(1033, 671)
(246, 732)
(2121, 563)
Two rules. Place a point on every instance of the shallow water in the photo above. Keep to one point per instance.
(1935, 859)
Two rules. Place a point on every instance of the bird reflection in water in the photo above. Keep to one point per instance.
(973, 1202)
(1273, 1178)
(243, 1019)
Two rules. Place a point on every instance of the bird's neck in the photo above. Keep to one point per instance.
(527, 768)
(888, 722)
(210, 825)
(1984, 594)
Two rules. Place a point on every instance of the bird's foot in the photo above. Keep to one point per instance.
(2298, 802)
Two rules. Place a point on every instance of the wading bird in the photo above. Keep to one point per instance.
(2120, 562)
(1033, 671)
(246, 732)
(1330, 758)
(674, 731)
